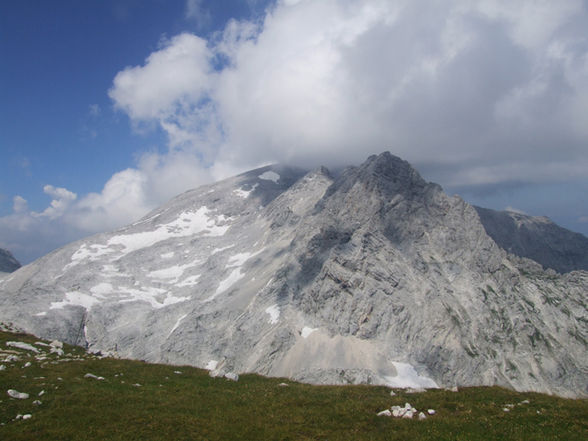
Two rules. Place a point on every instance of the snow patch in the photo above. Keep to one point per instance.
(407, 376)
(177, 324)
(188, 223)
(270, 176)
(218, 250)
(154, 296)
(225, 284)
(189, 281)
(274, 313)
(75, 299)
(306, 331)
(102, 289)
(245, 193)
(240, 258)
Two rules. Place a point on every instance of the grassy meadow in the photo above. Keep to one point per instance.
(140, 401)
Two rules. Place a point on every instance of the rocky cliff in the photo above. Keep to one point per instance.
(371, 276)
(8, 263)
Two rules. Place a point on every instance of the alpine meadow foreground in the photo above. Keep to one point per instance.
(73, 395)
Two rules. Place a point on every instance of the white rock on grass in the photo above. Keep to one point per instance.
(41, 393)
(95, 377)
(385, 413)
(422, 416)
(18, 395)
(431, 411)
(37, 402)
(21, 345)
(27, 416)
(28, 364)
(232, 376)
(2, 367)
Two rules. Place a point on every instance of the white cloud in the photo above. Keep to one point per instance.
(174, 79)
(62, 199)
(195, 11)
(20, 204)
(514, 210)
(473, 93)
(489, 87)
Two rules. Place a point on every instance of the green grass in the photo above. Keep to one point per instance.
(194, 406)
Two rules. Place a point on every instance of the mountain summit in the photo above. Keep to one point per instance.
(371, 276)
(8, 263)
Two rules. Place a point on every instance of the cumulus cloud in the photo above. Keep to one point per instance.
(479, 92)
(485, 93)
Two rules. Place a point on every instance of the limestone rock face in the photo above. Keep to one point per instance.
(372, 276)
(8, 263)
(537, 238)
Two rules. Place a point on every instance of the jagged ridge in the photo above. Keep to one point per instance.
(375, 276)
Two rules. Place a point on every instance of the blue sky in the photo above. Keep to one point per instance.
(110, 107)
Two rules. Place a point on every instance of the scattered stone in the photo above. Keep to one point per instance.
(385, 413)
(95, 377)
(137, 385)
(41, 393)
(283, 385)
(27, 364)
(524, 402)
(18, 395)
(422, 416)
(452, 389)
(392, 393)
(506, 409)
(2, 367)
(37, 402)
(232, 376)
(431, 411)
(178, 372)
(26, 416)
(56, 348)
(21, 345)
(56, 344)
(414, 390)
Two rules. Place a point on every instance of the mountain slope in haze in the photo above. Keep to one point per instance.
(8, 263)
(537, 238)
(372, 276)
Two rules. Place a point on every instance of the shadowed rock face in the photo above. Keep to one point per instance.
(537, 238)
(8, 263)
(375, 276)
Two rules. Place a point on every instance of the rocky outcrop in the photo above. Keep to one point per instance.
(371, 276)
(8, 263)
(536, 238)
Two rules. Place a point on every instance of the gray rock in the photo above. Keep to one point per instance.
(8, 263)
(371, 276)
(536, 238)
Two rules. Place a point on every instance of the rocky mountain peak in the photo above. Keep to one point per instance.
(385, 175)
(375, 276)
(536, 238)
(8, 263)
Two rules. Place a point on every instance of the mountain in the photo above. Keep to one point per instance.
(371, 276)
(537, 238)
(8, 263)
